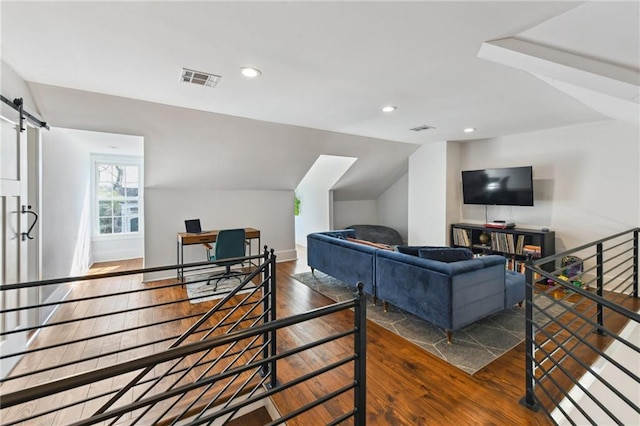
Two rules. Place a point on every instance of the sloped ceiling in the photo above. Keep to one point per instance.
(325, 65)
(601, 70)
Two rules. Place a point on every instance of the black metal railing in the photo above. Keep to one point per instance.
(122, 351)
(582, 333)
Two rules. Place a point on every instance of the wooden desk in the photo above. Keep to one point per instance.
(187, 239)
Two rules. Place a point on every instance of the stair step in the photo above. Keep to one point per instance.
(258, 417)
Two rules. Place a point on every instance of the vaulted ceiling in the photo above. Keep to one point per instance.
(325, 65)
(499, 67)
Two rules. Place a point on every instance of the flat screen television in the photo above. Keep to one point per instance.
(507, 186)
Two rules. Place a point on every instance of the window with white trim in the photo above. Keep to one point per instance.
(117, 196)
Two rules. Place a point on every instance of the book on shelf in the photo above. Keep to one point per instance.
(503, 242)
(520, 244)
(510, 245)
(516, 265)
(511, 264)
(532, 249)
(461, 237)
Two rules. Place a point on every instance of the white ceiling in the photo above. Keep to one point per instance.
(326, 65)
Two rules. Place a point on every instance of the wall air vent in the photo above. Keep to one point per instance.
(199, 78)
(423, 127)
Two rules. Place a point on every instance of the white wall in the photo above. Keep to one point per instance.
(66, 210)
(316, 200)
(167, 209)
(13, 86)
(194, 152)
(586, 179)
(117, 247)
(427, 210)
(594, 188)
(358, 212)
(454, 188)
(586, 182)
(390, 209)
(393, 207)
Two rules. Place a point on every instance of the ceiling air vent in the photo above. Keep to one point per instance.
(421, 128)
(199, 77)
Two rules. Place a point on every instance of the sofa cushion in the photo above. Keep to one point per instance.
(446, 254)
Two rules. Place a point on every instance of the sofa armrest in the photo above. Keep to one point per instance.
(329, 237)
(344, 260)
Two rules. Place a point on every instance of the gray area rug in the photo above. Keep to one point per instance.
(473, 347)
(198, 291)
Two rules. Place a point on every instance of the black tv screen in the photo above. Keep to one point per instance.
(508, 186)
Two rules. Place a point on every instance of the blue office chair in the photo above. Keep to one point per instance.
(230, 243)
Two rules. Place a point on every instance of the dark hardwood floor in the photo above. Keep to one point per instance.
(405, 384)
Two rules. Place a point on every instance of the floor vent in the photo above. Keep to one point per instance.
(423, 127)
(200, 78)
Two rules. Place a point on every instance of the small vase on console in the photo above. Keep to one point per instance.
(484, 238)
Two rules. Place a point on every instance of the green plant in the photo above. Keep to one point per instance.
(296, 206)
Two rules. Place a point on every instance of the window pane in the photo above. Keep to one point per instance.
(130, 216)
(130, 208)
(105, 172)
(117, 208)
(105, 190)
(118, 176)
(106, 226)
(131, 176)
(117, 190)
(104, 208)
(117, 225)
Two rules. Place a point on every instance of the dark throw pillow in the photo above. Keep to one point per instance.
(412, 250)
(446, 254)
(337, 235)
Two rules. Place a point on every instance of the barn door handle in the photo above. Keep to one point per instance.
(27, 235)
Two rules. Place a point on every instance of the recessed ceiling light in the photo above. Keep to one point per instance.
(250, 72)
(389, 108)
(469, 130)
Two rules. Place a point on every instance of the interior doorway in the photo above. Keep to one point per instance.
(70, 213)
(89, 179)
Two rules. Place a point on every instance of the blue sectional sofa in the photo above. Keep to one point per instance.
(350, 262)
(449, 295)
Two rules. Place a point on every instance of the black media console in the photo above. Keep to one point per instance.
(513, 243)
